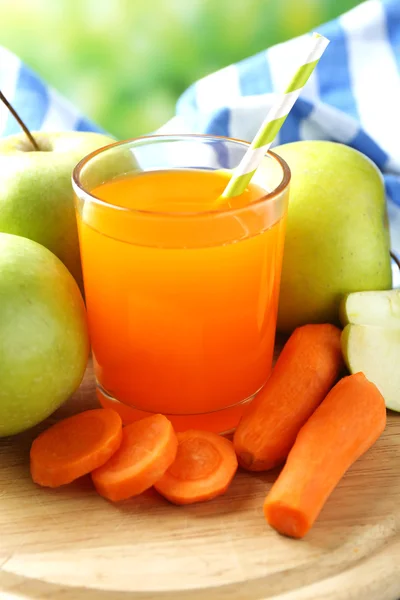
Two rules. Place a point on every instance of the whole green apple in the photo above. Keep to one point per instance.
(36, 199)
(337, 238)
(44, 342)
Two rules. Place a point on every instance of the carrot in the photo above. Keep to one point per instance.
(148, 448)
(306, 369)
(203, 469)
(344, 426)
(75, 446)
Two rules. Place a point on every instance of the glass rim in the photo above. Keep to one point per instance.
(80, 190)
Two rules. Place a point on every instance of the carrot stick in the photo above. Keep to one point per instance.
(344, 426)
(306, 369)
(75, 446)
(203, 469)
(148, 448)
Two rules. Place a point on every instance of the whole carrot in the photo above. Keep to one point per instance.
(344, 426)
(306, 369)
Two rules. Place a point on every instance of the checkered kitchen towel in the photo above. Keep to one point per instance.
(352, 97)
(41, 107)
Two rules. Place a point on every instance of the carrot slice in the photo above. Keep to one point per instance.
(306, 369)
(203, 469)
(75, 446)
(148, 448)
(344, 426)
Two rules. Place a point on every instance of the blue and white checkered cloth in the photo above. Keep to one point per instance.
(352, 97)
(40, 106)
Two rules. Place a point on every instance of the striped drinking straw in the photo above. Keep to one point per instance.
(276, 117)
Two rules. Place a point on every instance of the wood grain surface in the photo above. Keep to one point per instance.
(70, 544)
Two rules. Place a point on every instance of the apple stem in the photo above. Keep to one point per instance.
(396, 259)
(20, 121)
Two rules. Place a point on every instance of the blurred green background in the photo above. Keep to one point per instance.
(125, 62)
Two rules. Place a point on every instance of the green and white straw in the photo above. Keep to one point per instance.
(274, 121)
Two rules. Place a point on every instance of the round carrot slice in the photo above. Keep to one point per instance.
(75, 446)
(204, 467)
(148, 448)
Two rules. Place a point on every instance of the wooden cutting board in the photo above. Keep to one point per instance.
(70, 544)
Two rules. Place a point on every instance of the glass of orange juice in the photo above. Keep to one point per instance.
(181, 285)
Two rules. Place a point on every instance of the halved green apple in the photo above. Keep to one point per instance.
(371, 308)
(371, 340)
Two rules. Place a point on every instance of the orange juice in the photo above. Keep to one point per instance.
(181, 294)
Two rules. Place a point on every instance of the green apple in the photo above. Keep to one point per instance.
(44, 341)
(375, 351)
(371, 340)
(337, 238)
(36, 199)
(371, 308)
